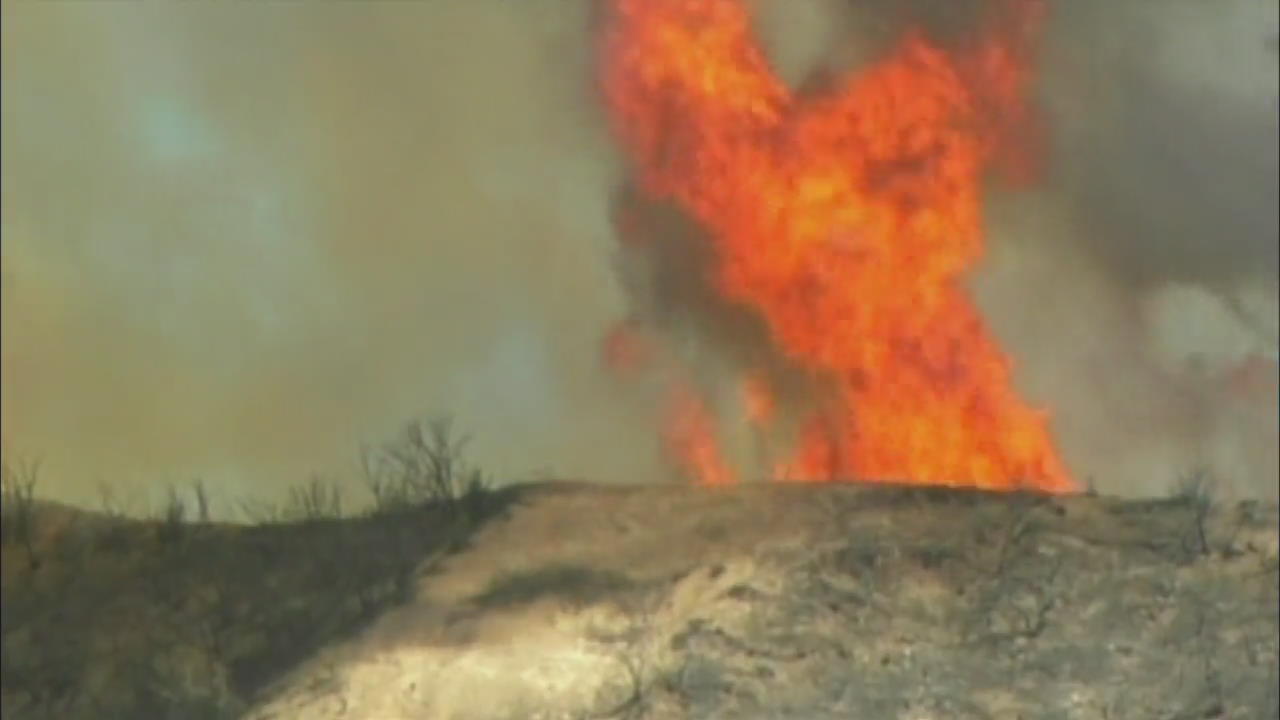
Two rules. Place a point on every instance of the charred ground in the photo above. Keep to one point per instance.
(569, 600)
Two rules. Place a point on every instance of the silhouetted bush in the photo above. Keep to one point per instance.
(18, 481)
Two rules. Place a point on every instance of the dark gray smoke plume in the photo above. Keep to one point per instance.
(1138, 287)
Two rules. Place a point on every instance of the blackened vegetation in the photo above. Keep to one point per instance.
(577, 585)
(877, 601)
(179, 617)
(1051, 607)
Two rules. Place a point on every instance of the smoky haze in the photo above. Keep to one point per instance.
(240, 240)
(1138, 287)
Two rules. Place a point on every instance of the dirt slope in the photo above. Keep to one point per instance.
(823, 602)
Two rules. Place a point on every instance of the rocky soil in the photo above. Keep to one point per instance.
(782, 601)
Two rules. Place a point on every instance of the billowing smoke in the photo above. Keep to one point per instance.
(238, 241)
(1138, 287)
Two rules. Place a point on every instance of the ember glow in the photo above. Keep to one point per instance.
(846, 222)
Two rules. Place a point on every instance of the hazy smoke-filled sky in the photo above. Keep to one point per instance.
(238, 240)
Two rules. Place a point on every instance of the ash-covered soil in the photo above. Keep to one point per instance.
(780, 601)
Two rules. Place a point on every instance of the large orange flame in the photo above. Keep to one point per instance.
(846, 222)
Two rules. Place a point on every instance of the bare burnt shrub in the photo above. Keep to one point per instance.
(18, 480)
